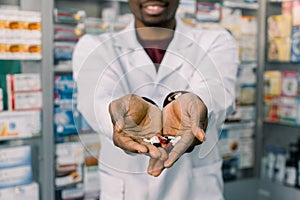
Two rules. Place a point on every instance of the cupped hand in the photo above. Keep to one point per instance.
(134, 119)
(186, 117)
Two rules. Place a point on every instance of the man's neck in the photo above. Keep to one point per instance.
(155, 33)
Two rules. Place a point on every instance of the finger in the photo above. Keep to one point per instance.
(179, 149)
(198, 133)
(128, 144)
(153, 151)
(155, 167)
(163, 154)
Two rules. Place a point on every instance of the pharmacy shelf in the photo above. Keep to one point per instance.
(14, 139)
(282, 66)
(282, 124)
(42, 145)
(239, 4)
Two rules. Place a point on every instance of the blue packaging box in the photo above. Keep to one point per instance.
(15, 156)
(295, 44)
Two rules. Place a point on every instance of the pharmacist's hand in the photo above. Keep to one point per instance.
(186, 117)
(134, 119)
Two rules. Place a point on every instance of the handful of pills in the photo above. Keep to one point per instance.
(167, 142)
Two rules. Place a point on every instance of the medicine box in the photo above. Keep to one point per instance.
(19, 124)
(22, 192)
(279, 49)
(243, 113)
(296, 11)
(279, 26)
(272, 83)
(64, 84)
(69, 16)
(20, 101)
(75, 192)
(237, 141)
(69, 153)
(271, 109)
(14, 176)
(65, 121)
(289, 83)
(295, 44)
(69, 163)
(23, 82)
(287, 110)
(208, 11)
(15, 156)
(63, 50)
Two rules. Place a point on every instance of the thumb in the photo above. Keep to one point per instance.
(116, 117)
(196, 129)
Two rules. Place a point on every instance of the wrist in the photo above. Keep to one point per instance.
(173, 96)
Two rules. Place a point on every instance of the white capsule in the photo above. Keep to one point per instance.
(154, 140)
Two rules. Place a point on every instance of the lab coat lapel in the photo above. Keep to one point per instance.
(135, 56)
(177, 52)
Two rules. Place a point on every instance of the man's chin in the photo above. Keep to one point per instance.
(155, 23)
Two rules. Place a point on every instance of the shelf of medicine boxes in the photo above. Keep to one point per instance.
(241, 4)
(43, 158)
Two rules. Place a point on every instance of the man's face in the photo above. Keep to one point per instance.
(154, 13)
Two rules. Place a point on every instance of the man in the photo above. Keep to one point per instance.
(160, 78)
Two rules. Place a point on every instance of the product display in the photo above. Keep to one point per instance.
(281, 97)
(20, 34)
(75, 167)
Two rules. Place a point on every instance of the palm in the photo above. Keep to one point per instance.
(185, 117)
(134, 119)
(176, 120)
(142, 120)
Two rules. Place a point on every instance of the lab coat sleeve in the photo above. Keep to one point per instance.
(95, 81)
(215, 76)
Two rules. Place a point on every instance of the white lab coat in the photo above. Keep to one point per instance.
(109, 66)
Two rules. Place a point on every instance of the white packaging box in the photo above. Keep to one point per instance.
(23, 192)
(69, 163)
(15, 176)
(69, 153)
(19, 124)
(23, 82)
(15, 156)
(232, 141)
(21, 101)
(73, 193)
